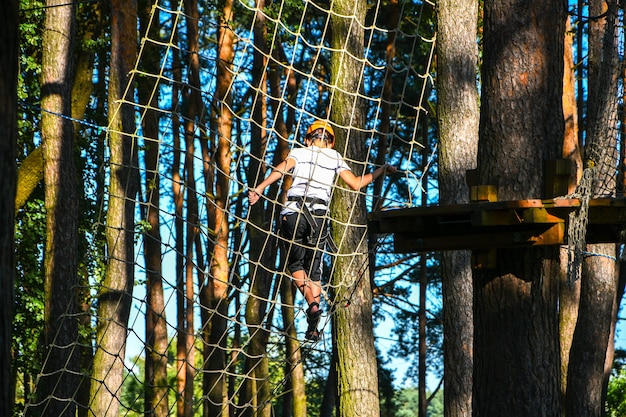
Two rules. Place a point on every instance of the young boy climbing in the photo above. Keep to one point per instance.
(313, 169)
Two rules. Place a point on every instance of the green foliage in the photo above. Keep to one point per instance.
(386, 390)
(28, 323)
(28, 89)
(406, 401)
(616, 395)
(435, 407)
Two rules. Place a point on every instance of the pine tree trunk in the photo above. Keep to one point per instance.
(156, 383)
(215, 352)
(458, 116)
(59, 383)
(115, 295)
(186, 349)
(179, 199)
(569, 292)
(516, 343)
(356, 355)
(294, 394)
(588, 376)
(262, 252)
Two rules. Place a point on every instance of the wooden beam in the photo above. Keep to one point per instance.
(485, 225)
(552, 234)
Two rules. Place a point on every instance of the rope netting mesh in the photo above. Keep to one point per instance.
(234, 87)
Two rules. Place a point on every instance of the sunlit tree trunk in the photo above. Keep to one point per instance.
(587, 376)
(262, 250)
(90, 26)
(356, 355)
(8, 173)
(186, 349)
(294, 396)
(569, 291)
(422, 361)
(516, 338)
(218, 281)
(59, 382)
(156, 382)
(393, 20)
(179, 198)
(31, 169)
(115, 294)
(457, 117)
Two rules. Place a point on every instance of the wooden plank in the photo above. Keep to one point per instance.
(540, 215)
(484, 193)
(409, 243)
(485, 225)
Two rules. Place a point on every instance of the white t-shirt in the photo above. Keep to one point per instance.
(313, 175)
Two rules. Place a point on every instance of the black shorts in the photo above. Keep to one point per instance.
(304, 243)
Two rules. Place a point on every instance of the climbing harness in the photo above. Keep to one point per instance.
(303, 204)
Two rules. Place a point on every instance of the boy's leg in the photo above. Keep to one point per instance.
(311, 290)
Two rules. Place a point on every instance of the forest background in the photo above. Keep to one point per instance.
(141, 126)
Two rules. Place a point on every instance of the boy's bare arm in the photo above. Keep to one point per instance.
(277, 173)
(356, 183)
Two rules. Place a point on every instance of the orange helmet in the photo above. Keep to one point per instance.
(320, 124)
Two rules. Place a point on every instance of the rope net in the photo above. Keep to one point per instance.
(220, 93)
(233, 87)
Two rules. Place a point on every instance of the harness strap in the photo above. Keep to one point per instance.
(308, 200)
(302, 202)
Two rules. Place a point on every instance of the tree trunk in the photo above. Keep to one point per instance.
(587, 377)
(156, 382)
(9, 38)
(569, 292)
(30, 171)
(178, 197)
(356, 355)
(458, 116)
(516, 343)
(294, 394)
(59, 382)
(215, 351)
(294, 403)
(115, 295)
(186, 349)
(262, 252)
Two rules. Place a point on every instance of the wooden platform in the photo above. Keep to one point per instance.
(488, 225)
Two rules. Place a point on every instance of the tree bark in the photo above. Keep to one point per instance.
(30, 171)
(179, 199)
(587, 376)
(356, 355)
(156, 383)
(59, 383)
(186, 349)
(115, 294)
(294, 395)
(569, 292)
(458, 117)
(9, 38)
(218, 285)
(262, 252)
(516, 342)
